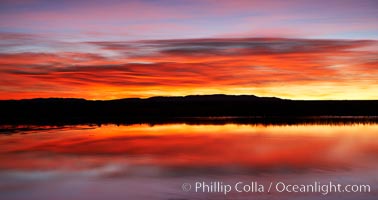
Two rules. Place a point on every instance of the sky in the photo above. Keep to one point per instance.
(118, 49)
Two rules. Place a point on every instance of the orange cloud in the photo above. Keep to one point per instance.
(288, 68)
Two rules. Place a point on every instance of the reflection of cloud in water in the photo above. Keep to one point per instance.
(94, 185)
(138, 156)
(197, 148)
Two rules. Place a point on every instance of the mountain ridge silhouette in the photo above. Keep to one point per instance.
(62, 110)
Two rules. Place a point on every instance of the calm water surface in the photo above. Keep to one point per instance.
(152, 162)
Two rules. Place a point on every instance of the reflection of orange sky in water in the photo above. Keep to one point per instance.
(248, 147)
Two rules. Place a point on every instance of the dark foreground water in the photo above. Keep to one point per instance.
(180, 161)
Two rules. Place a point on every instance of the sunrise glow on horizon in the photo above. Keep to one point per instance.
(120, 49)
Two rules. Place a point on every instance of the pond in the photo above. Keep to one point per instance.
(189, 161)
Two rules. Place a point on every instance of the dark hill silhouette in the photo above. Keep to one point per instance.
(69, 110)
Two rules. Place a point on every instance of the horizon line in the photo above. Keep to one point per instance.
(183, 96)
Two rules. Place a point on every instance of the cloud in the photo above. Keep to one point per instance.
(134, 20)
(251, 46)
(186, 66)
